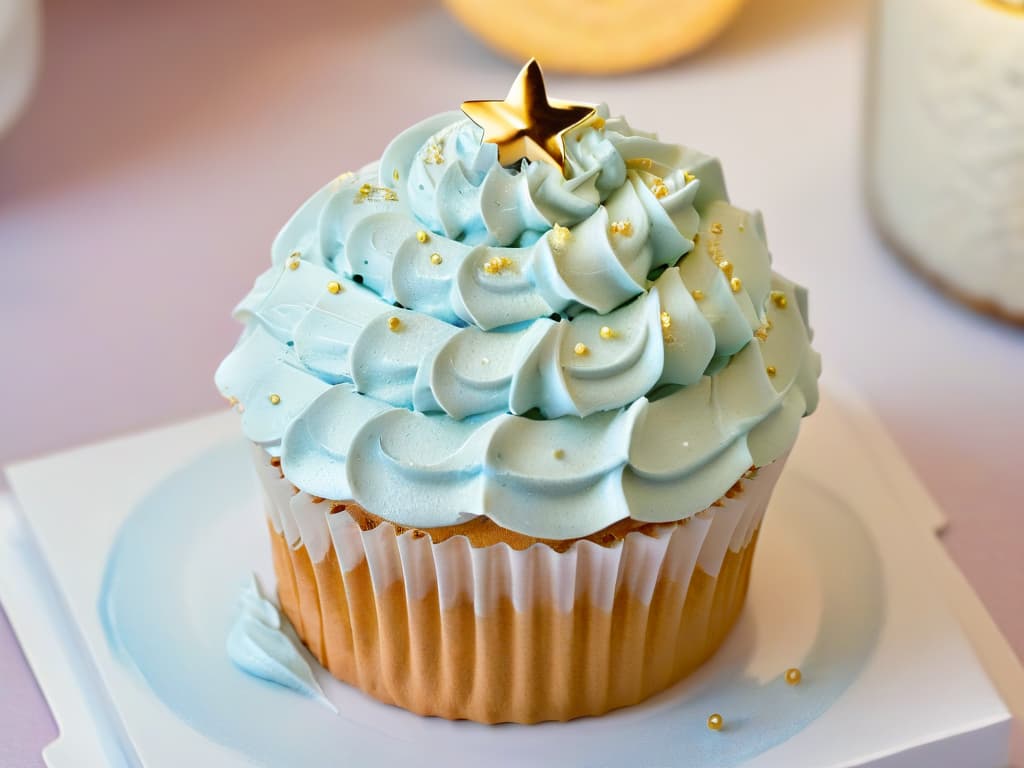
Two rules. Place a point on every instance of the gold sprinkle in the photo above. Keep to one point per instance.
(698, 294)
(669, 338)
(422, 236)
(726, 266)
(716, 228)
(715, 722)
(275, 399)
(232, 401)
(434, 153)
(293, 264)
(640, 162)
(607, 333)
(779, 299)
(558, 453)
(394, 323)
(770, 370)
(497, 264)
(598, 123)
(736, 284)
(334, 286)
(435, 259)
(688, 177)
(624, 227)
(394, 174)
(581, 349)
(370, 192)
(559, 237)
(666, 320)
(761, 333)
(793, 676)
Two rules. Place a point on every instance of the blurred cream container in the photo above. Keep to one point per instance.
(20, 33)
(596, 36)
(945, 166)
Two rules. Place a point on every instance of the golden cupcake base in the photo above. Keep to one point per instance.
(474, 622)
(510, 665)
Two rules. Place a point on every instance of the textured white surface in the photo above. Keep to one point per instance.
(947, 141)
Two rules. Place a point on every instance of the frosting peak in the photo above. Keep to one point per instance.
(448, 337)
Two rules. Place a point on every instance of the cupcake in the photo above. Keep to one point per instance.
(518, 394)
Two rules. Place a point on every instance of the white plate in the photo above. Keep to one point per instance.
(167, 526)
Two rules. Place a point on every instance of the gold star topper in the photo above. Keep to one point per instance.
(527, 124)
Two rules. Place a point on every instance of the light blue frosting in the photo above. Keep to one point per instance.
(523, 345)
(259, 645)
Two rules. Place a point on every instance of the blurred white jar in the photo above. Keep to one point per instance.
(945, 168)
(20, 32)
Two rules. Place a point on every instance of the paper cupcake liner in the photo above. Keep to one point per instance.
(495, 634)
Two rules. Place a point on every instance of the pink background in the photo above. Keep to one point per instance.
(166, 144)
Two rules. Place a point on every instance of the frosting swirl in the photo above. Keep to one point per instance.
(440, 337)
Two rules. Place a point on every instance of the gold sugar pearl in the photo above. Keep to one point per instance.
(598, 123)
(779, 299)
(394, 323)
(793, 676)
(736, 284)
(294, 260)
(726, 266)
(435, 259)
(275, 399)
(698, 294)
(334, 286)
(624, 227)
(581, 348)
(770, 370)
(716, 228)
(715, 722)
(497, 264)
(422, 236)
(558, 453)
(559, 237)
(607, 333)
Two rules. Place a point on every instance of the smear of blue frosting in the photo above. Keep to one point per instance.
(260, 644)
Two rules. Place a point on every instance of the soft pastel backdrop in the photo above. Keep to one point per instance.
(168, 142)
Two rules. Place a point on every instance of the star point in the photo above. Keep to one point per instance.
(526, 124)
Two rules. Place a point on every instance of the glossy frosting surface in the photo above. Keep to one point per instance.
(439, 337)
